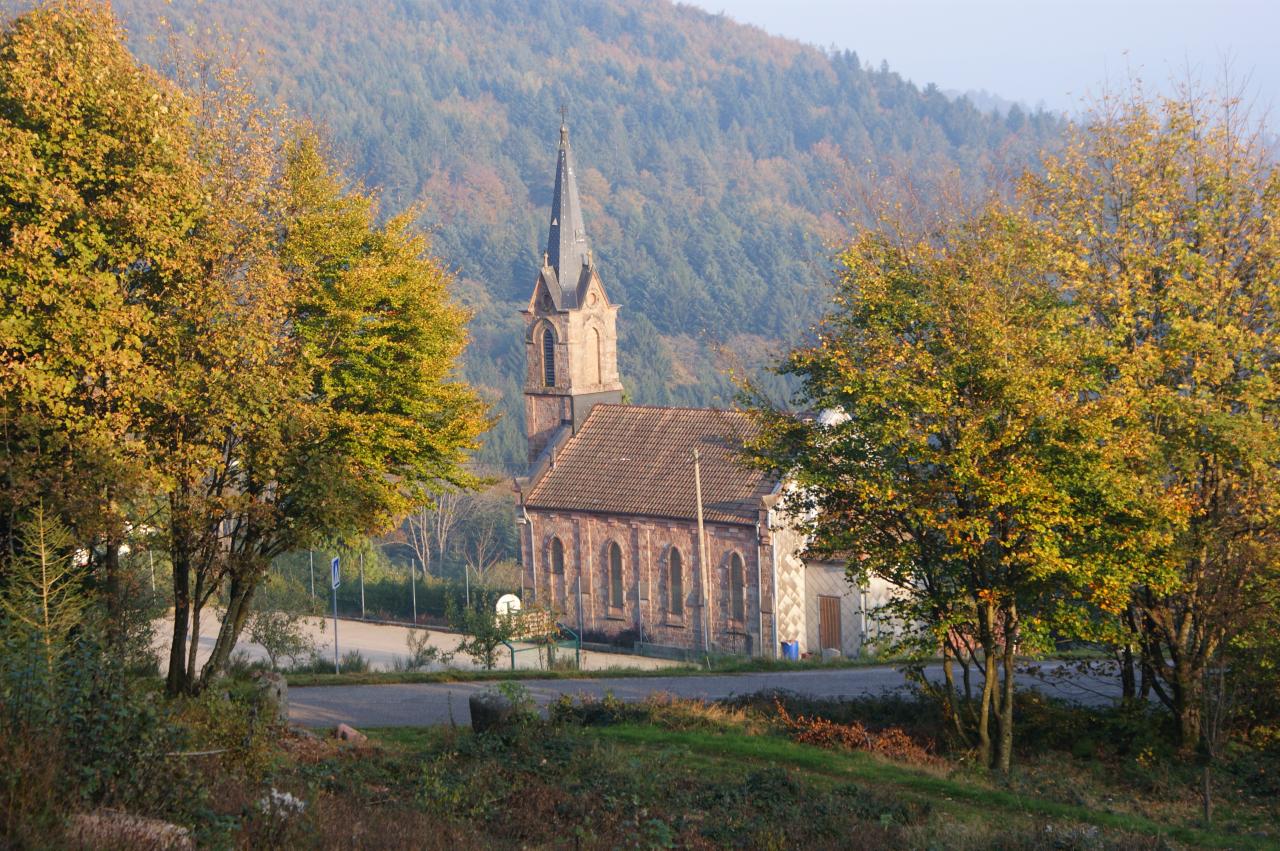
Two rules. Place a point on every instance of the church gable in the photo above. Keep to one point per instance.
(591, 290)
(546, 293)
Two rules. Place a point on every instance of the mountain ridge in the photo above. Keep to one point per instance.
(713, 158)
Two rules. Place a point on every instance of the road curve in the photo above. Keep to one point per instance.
(427, 704)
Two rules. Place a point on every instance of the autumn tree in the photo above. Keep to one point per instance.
(360, 416)
(950, 460)
(230, 397)
(1166, 221)
(204, 326)
(97, 194)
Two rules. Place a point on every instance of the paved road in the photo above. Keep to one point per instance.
(422, 704)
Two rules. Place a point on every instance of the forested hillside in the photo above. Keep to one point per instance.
(713, 158)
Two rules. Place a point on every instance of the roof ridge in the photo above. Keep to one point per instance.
(694, 408)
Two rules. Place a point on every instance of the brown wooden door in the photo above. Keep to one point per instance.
(829, 622)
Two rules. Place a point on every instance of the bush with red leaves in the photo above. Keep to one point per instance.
(892, 742)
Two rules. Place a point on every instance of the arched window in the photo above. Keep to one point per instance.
(675, 581)
(557, 557)
(615, 576)
(548, 358)
(593, 358)
(737, 589)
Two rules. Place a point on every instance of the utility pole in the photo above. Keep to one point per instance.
(311, 559)
(466, 577)
(702, 555)
(413, 586)
(362, 584)
(579, 595)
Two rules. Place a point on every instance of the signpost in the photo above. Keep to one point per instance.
(337, 580)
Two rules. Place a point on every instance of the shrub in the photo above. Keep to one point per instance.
(353, 662)
(422, 653)
(593, 711)
(524, 709)
(893, 743)
(483, 632)
(282, 635)
(82, 735)
(228, 722)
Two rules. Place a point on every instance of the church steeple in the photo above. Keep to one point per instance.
(571, 335)
(568, 251)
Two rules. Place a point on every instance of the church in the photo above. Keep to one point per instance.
(641, 523)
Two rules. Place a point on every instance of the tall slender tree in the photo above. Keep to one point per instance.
(97, 194)
(1166, 221)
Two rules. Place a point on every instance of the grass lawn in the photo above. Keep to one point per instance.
(682, 774)
(954, 798)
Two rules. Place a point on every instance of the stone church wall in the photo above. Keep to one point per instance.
(646, 613)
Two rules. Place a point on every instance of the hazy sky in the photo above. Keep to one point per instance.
(1033, 51)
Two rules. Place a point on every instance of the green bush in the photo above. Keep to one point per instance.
(86, 734)
(484, 634)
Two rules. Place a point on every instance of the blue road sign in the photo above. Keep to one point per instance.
(337, 574)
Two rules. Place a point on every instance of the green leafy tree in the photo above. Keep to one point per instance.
(97, 192)
(953, 459)
(203, 322)
(356, 414)
(1166, 221)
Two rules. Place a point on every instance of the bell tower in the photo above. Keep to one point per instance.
(571, 337)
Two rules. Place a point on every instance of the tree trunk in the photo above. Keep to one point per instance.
(197, 605)
(113, 593)
(1188, 704)
(239, 602)
(968, 681)
(1005, 754)
(177, 680)
(949, 706)
(1128, 674)
(987, 638)
(1128, 660)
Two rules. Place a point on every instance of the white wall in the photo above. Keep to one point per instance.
(830, 580)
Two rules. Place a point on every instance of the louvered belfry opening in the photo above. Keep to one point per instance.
(548, 358)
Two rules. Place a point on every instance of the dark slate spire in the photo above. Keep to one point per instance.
(567, 248)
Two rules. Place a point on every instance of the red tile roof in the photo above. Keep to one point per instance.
(638, 460)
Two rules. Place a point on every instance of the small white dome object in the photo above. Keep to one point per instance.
(832, 417)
